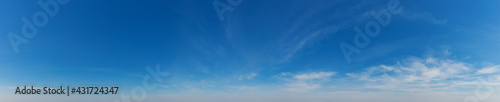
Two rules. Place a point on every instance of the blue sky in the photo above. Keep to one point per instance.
(278, 50)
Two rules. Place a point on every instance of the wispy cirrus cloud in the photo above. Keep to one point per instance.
(424, 16)
(416, 74)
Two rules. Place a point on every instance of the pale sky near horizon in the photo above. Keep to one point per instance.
(254, 50)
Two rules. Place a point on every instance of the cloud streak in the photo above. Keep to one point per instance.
(304, 82)
(247, 76)
(423, 75)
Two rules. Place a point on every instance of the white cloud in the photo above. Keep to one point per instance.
(285, 73)
(300, 45)
(313, 75)
(446, 51)
(489, 70)
(247, 76)
(415, 74)
(305, 81)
